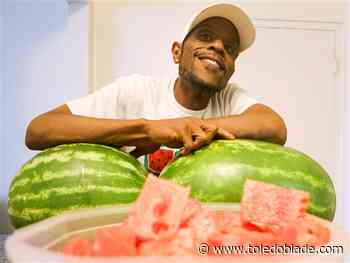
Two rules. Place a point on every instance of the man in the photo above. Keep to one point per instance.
(185, 113)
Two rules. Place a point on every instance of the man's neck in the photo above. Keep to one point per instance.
(188, 97)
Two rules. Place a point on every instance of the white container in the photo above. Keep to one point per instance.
(40, 242)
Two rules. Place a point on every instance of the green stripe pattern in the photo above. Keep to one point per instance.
(217, 172)
(72, 176)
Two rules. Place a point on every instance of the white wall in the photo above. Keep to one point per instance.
(347, 122)
(2, 182)
(46, 58)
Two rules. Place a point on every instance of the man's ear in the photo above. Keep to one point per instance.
(176, 52)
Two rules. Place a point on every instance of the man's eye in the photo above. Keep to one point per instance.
(205, 37)
(232, 49)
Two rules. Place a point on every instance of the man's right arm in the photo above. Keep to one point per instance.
(60, 126)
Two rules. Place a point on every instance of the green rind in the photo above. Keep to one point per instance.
(217, 172)
(73, 176)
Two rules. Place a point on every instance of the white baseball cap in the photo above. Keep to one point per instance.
(233, 13)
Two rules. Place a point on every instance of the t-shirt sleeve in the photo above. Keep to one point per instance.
(99, 104)
(111, 101)
(237, 101)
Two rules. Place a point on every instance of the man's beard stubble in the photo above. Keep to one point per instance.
(199, 85)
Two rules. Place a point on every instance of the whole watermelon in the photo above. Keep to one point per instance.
(217, 172)
(72, 176)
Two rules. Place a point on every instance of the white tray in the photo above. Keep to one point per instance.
(37, 243)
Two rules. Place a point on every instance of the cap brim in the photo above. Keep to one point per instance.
(234, 14)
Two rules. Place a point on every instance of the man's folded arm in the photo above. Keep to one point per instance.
(256, 122)
(60, 126)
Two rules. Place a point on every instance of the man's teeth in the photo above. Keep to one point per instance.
(212, 62)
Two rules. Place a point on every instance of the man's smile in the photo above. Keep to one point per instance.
(211, 63)
(211, 59)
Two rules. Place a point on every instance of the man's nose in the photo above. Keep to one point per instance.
(218, 46)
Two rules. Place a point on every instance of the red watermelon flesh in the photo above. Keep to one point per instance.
(311, 232)
(158, 210)
(192, 208)
(78, 246)
(226, 220)
(203, 225)
(181, 244)
(165, 222)
(115, 241)
(265, 206)
(159, 159)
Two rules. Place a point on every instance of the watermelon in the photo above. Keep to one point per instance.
(73, 176)
(157, 160)
(217, 172)
(182, 244)
(267, 206)
(311, 232)
(115, 241)
(168, 205)
(157, 212)
(78, 246)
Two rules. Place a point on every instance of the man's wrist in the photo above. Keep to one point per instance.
(212, 121)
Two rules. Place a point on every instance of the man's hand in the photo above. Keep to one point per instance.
(190, 133)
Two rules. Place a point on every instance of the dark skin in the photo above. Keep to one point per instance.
(215, 39)
(206, 61)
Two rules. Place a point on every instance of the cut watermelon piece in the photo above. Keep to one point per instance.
(164, 221)
(159, 159)
(192, 208)
(226, 221)
(78, 246)
(265, 206)
(159, 208)
(311, 232)
(182, 244)
(203, 225)
(115, 241)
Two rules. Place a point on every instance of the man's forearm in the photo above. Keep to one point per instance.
(259, 122)
(56, 128)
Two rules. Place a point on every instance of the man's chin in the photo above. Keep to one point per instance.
(204, 86)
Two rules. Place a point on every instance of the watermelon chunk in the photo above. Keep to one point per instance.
(226, 221)
(115, 241)
(182, 244)
(78, 246)
(159, 159)
(265, 206)
(192, 208)
(158, 211)
(203, 225)
(164, 221)
(311, 232)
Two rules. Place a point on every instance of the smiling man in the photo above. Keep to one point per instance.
(187, 112)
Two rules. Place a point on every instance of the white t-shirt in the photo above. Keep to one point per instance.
(137, 96)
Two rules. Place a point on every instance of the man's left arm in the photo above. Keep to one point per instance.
(257, 122)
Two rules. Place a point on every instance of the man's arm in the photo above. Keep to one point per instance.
(257, 122)
(60, 126)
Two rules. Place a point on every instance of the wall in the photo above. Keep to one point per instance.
(46, 58)
(347, 122)
(2, 181)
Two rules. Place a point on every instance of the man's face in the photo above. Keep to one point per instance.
(208, 54)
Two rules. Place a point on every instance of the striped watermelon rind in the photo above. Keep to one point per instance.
(72, 176)
(217, 172)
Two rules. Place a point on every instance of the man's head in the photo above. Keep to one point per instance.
(212, 42)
